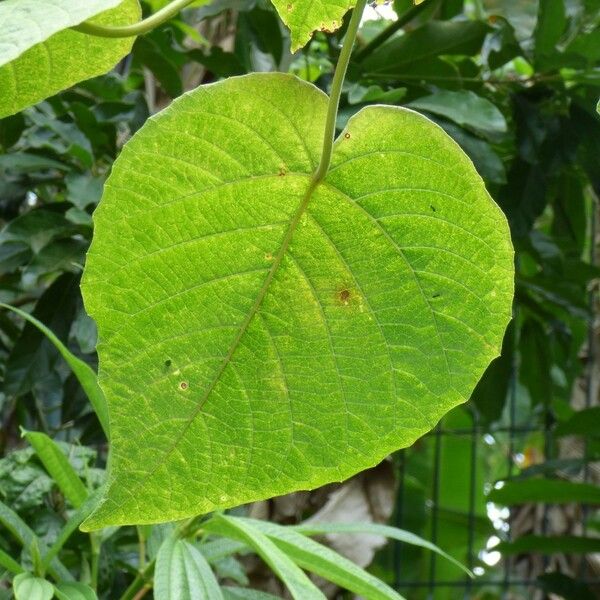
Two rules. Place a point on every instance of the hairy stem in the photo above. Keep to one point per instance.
(336, 91)
(388, 32)
(144, 26)
(141, 547)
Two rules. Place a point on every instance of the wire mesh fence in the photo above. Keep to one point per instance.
(486, 454)
(511, 577)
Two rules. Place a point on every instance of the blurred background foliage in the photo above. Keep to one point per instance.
(516, 84)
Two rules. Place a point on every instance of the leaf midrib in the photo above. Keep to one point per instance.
(312, 186)
(246, 323)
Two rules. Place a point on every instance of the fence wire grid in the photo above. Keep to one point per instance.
(505, 577)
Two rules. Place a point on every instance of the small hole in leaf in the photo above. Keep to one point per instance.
(184, 385)
(347, 136)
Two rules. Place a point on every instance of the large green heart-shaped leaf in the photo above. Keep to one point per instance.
(304, 17)
(51, 57)
(259, 334)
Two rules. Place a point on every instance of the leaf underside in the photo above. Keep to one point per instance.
(65, 58)
(259, 337)
(25, 23)
(304, 17)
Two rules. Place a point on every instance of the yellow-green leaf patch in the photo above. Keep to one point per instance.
(56, 57)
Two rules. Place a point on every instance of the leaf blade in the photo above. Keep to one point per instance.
(308, 307)
(298, 584)
(58, 466)
(85, 375)
(70, 590)
(27, 538)
(304, 17)
(27, 23)
(182, 573)
(545, 490)
(9, 563)
(387, 531)
(69, 528)
(64, 58)
(323, 561)
(28, 587)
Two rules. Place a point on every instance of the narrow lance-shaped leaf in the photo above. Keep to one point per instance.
(74, 591)
(238, 593)
(545, 490)
(296, 581)
(317, 558)
(58, 466)
(219, 548)
(85, 375)
(259, 334)
(28, 539)
(69, 527)
(549, 544)
(9, 563)
(393, 533)
(182, 573)
(39, 56)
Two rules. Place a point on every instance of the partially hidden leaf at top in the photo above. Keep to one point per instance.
(40, 55)
(259, 333)
(304, 17)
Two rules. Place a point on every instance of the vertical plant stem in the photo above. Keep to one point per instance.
(336, 91)
(95, 559)
(141, 547)
(141, 582)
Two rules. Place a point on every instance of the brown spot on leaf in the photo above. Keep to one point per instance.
(347, 136)
(281, 172)
(289, 7)
(344, 296)
(184, 385)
